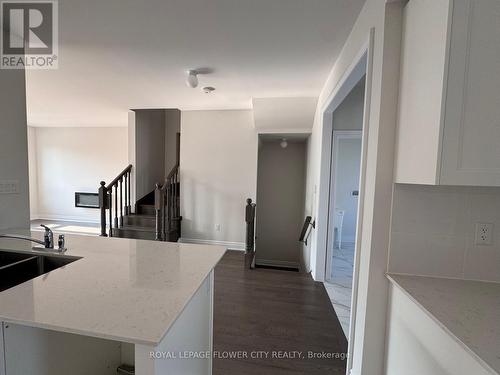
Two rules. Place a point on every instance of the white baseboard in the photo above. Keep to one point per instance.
(229, 245)
(64, 218)
(277, 263)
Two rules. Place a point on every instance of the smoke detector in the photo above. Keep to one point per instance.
(208, 89)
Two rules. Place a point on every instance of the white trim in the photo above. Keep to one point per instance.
(362, 188)
(65, 218)
(277, 263)
(361, 65)
(285, 131)
(3, 364)
(240, 246)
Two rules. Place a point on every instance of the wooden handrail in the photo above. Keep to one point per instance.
(173, 171)
(119, 177)
(121, 206)
(167, 206)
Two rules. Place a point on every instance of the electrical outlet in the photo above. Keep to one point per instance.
(9, 186)
(484, 234)
(217, 227)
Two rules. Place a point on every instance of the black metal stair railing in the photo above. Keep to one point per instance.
(167, 207)
(121, 205)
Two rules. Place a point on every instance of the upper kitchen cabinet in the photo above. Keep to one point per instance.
(449, 104)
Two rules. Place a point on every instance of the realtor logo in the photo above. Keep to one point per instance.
(29, 35)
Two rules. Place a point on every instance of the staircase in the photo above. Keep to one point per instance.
(157, 215)
(141, 225)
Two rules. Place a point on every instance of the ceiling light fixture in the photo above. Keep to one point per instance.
(192, 78)
(284, 143)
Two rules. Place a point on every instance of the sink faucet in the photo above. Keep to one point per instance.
(48, 239)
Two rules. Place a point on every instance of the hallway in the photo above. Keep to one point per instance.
(273, 311)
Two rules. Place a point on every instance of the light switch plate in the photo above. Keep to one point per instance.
(9, 186)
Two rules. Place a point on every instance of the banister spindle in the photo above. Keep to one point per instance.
(176, 207)
(129, 206)
(158, 213)
(126, 194)
(116, 205)
(164, 215)
(121, 202)
(110, 208)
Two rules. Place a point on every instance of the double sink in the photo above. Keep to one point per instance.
(17, 268)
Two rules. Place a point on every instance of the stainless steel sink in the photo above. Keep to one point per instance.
(16, 268)
(9, 258)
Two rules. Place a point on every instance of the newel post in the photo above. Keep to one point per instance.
(250, 234)
(103, 205)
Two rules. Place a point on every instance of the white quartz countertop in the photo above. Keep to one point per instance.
(120, 289)
(468, 310)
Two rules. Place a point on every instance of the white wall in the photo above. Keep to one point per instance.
(433, 231)
(283, 115)
(33, 172)
(218, 172)
(385, 22)
(75, 159)
(14, 208)
(280, 203)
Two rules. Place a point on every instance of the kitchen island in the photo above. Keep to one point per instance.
(142, 303)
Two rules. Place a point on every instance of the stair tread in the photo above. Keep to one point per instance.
(145, 216)
(137, 228)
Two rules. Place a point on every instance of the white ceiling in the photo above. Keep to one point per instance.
(121, 54)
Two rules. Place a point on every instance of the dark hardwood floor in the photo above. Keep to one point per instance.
(273, 311)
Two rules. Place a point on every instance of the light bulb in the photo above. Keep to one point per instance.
(284, 143)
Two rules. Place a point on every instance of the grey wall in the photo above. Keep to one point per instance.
(172, 127)
(155, 132)
(281, 177)
(349, 114)
(14, 208)
(150, 150)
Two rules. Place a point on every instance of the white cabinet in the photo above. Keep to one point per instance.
(449, 106)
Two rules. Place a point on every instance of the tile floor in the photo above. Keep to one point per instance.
(339, 286)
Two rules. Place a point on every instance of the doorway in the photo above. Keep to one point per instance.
(346, 159)
(281, 181)
(358, 75)
(345, 164)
